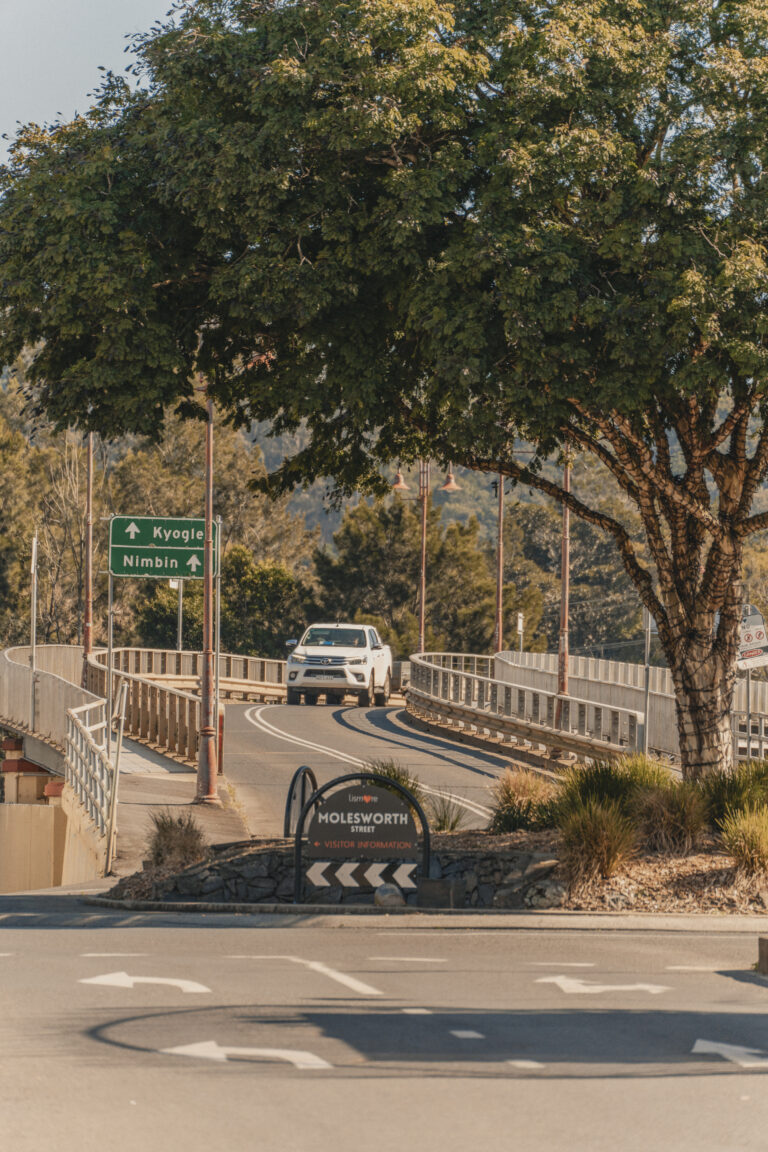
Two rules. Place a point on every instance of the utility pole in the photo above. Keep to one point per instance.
(565, 575)
(423, 494)
(33, 632)
(88, 595)
(180, 617)
(498, 632)
(206, 763)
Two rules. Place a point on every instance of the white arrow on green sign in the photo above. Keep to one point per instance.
(159, 547)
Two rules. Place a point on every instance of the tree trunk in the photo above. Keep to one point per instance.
(703, 699)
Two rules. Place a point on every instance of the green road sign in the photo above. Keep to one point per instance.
(159, 547)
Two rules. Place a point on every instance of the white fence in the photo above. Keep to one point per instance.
(89, 771)
(465, 688)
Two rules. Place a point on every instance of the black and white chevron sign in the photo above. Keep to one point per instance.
(360, 874)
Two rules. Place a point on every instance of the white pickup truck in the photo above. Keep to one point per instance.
(336, 659)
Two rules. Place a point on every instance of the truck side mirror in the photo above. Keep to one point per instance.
(291, 643)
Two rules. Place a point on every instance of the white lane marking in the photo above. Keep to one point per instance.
(692, 968)
(123, 980)
(104, 955)
(525, 1063)
(557, 964)
(466, 1034)
(569, 985)
(736, 1053)
(417, 1011)
(210, 1050)
(15, 915)
(316, 966)
(411, 959)
(6, 953)
(254, 716)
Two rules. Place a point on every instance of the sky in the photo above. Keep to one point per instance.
(50, 52)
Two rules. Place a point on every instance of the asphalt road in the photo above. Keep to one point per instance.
(265, 744)
(121, 1030)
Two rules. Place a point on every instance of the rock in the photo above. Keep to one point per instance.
(545, 894)
(448, 893)
(485, 894)
(538, 869)
(508, 898)
(470, 879)
(513, 879)
(388, 896)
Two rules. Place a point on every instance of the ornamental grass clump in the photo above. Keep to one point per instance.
(618, 783)
(746, 786)
(670, 818)
(522, 799)
(445, 815)
(394, 771)
(597, 839)
(176, 840)
(744, 836)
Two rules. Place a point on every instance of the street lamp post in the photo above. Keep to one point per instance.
(498, 632)
(565, 576)
(206, 763)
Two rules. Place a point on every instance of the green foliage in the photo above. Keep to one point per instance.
(746, 786)
(522, 799)
(744, 835)
(392, 770)
(374, 576)
(671, 818)
(603, 782)
(176, 840)
(597, 839)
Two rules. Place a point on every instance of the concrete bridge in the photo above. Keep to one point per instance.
(74, 807)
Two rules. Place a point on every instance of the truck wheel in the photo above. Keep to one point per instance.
(381, 695)
(365, 699)
(292, 696)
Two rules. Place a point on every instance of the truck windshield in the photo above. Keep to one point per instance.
(335, 637)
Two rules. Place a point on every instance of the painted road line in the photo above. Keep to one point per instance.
(210, 1050)
(525, 1064)
(123, 980)
(112, 955)
(255, 716)
(316, 966)
(572, 986)
(15, 915)
(693, 968)
(557, 964)
(411, 959)
(417, 1011)
(466, 1034)
(735, 1053)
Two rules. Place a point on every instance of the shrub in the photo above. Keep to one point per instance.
(745, 787)
(670, 818)
(744, 835)
(618, 783)
(598, 837)
(445, 815)
(176, 840)
(522, 799)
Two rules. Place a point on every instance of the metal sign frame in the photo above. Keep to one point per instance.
(359, 777)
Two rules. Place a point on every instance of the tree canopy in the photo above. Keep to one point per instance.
(415, 227)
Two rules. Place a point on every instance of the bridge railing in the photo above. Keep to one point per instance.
(463, 687)
(89, 771)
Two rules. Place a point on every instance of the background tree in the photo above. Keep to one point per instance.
(412, 228)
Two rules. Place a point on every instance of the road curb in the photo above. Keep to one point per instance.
(464, 918)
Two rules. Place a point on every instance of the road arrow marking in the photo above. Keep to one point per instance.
(210, 1050)
(317, 966)
(403, 877)
(570, 985)
(733, 1052)
(193, 563)
(123, 980)
(132, 530)
(316, 874)
(344, 874)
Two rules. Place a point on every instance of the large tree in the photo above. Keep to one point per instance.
(419, 227)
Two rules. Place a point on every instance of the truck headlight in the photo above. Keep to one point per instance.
(295, 658)
(359, 660)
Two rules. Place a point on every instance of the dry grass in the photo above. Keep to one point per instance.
(597, 839)
(176, 840)
(744, 836)
(522, 799)
(672, 818)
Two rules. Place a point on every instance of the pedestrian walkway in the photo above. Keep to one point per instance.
(151, 782)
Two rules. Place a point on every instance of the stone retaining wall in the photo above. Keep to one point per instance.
(265, 874)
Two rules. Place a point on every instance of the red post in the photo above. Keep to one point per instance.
(206, 762)
(423, 495)
(88, 573)
(565, 573)
(498, 632)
